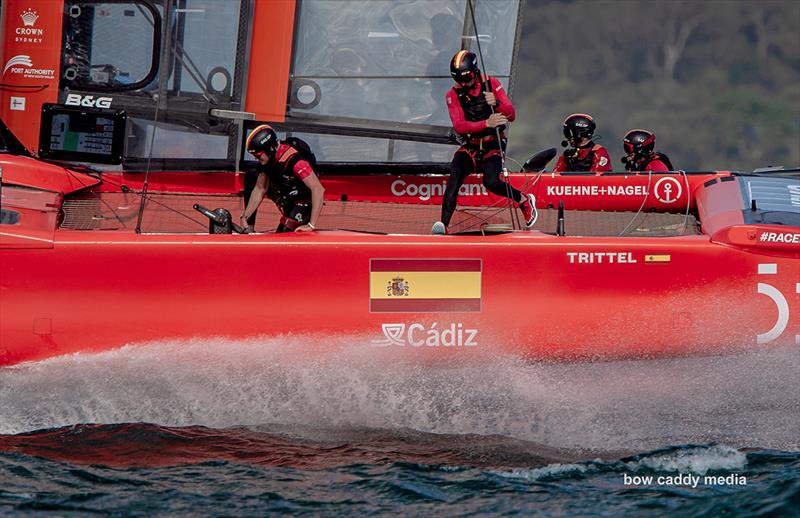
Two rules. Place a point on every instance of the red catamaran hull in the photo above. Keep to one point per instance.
(539, 296)
(734, 285)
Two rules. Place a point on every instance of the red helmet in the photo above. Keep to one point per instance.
(464, 67)
(639, 142)
(262, 139)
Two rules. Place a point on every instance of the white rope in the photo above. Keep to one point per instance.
(688, 201)
(644, 200)
(496, 208)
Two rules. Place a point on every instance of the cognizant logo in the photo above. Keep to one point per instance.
(424, 191)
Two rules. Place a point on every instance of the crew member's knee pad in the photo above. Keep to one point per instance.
(299, 214)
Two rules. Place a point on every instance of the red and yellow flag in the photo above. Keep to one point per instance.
(424, 285)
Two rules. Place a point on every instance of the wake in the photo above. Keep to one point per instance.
(744, 400)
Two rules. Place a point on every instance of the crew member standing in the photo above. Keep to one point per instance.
(479, 107)
(640, 154)
(287, 178)
(582, 154)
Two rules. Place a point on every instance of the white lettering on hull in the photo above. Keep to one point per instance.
(601, 258)
(417, 335)
(596, 190)
(425, 191)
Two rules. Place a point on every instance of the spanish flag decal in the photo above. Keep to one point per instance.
(657, 258)
(424, 285)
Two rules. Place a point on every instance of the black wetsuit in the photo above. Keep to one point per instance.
(481, 149)
(285, 188)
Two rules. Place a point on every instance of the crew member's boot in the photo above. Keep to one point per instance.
(528, 207)
(438, 229)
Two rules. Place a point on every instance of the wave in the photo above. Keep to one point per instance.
(147, 445)
(684, 459)
(603, 408)
(143, 468)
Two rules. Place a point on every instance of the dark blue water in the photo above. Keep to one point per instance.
(253, 428)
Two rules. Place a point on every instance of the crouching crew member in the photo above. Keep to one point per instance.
(478, 107)
(582, 154)
(287, 178)
(639, 145)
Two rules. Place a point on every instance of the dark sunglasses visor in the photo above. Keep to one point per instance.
(466, 78)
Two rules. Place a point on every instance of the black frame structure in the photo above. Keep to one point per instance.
(73, 9)
(159, 100)
(332, 125)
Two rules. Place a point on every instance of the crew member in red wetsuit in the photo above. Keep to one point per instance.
(287, 178)
(582, 154)
(639, 145)
(478, 107)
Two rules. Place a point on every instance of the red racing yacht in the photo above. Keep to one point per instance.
(121, 162)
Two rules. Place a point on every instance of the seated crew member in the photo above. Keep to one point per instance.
(287, 178)
(478, 105)
(639, 145)
(583, 154)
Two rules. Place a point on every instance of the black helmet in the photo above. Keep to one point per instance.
(262, 139)
(639, 142)
(579, 125)
(464, 66)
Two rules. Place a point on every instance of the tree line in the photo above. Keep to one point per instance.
(717, 81)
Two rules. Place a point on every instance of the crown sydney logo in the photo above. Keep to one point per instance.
(28, 33)
(29, 17)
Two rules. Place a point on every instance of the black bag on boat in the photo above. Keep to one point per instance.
(303, 149)
(664, 158)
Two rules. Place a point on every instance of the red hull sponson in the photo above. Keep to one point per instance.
(732, 284)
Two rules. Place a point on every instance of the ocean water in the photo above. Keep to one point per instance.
(244, 428)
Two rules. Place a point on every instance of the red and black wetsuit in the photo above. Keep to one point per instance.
(657, 163)
(468, 112)
(285, 173)
(591, 157)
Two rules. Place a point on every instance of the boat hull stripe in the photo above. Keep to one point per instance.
(425, 265)
(404, 305)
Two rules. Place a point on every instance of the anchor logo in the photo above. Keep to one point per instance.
(664, 190)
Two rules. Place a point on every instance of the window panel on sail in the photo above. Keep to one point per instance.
(385, 100)
(497, 25)
(340, 148)
(382, 100)
(172, 141)
(411, 152)
(206, 36)
(376, 37)
(109, 45)
(343, 148)
(388, 60)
